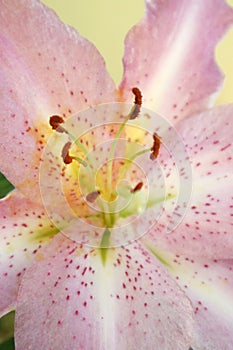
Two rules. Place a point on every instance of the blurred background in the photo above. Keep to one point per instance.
(105, 23)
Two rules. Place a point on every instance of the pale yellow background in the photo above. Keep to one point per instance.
(106, 22)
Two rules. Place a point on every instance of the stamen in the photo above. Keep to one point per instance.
(137, 187)
(156, 146)
(132, 115)
(138, 96)
(91, 197)
(137, 104)
(154, 151)
(67, 158)
(55, 121)
(81, 161)
(65, 153)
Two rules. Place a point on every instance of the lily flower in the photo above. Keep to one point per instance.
(102, 244)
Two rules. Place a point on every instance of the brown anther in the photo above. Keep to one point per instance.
(55, 121)
(156, 146)
(65, 153)
(137, 103)
(91, 197)
(137, 187)
(138, 96)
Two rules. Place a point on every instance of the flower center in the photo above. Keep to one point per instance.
(108, 177)
(105, 174)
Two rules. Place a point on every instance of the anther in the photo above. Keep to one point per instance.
(65, 153)
(137, 187)
(55, 121)
(137, 103)
(67, 158)
(91, 197)
(138, 96)
(156, 146)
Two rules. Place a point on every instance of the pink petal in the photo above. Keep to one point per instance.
(47, 68)
(209, 285)
(206, 229)
(78, 303)
(24, 230)
(169, 55)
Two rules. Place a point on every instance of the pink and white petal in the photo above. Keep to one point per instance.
(24, 229)
(206, 228)
(47, 68)
(77, 302)
(169, 55)
(209, 285)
